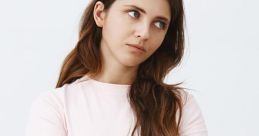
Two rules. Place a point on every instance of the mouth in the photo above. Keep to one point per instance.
(138, 47)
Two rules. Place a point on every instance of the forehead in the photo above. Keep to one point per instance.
(151, 7)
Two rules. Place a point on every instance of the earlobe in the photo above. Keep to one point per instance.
(99, 13)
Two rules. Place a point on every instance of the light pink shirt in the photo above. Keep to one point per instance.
(88, 107)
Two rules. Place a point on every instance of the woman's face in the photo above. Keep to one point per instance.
(132, 30)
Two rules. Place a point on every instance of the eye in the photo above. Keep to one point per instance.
(160, 25)
(134, 13)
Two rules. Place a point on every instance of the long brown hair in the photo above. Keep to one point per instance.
(157, 106)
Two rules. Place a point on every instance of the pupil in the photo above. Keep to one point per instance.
(135, 14)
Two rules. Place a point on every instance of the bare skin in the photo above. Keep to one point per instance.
(129, 36)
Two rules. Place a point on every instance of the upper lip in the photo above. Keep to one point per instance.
(137, 46)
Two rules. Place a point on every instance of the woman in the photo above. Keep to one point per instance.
(111, 84)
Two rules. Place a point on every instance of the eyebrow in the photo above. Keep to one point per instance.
(143, 11)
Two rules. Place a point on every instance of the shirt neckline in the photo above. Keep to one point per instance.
(84, 78)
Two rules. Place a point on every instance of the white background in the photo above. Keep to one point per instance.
(220, 65)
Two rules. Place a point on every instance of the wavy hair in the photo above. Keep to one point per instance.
(156, 105)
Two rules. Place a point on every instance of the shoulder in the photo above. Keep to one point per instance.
(52, 95)
(60, 92)
(57, 98)
(47, 113)
(48, 110)
(192, 121)
(187, 98)
(48, 101)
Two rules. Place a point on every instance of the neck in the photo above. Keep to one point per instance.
(116, 76)
(116, 73)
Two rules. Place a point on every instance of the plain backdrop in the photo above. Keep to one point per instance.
(220, 66)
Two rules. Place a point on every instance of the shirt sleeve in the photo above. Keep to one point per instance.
(192, 123)
(45, 118)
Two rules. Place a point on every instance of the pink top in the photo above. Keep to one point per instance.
(88, 107)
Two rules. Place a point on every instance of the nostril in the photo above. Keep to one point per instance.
(137, 36)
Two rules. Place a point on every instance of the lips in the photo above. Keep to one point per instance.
(137, 47)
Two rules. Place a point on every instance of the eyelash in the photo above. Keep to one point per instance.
(161, 22)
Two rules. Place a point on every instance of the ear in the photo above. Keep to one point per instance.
(99, 13)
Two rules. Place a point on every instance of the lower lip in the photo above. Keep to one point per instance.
(135, 49)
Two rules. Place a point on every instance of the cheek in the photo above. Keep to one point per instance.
(156, 41)
(115, 30)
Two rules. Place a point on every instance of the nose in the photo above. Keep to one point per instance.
(142, 31)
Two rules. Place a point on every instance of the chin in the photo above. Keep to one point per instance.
(131, 63)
